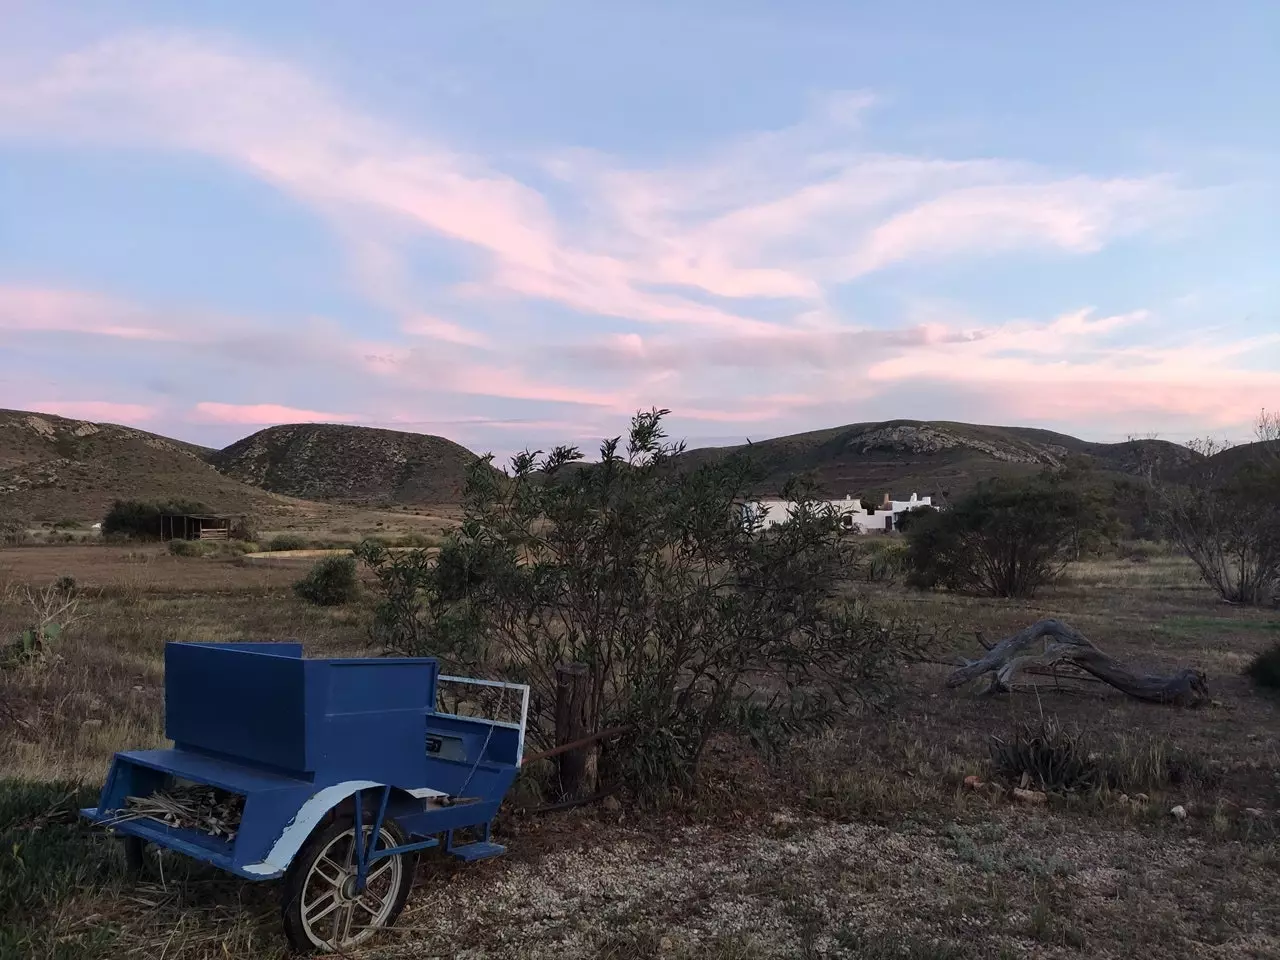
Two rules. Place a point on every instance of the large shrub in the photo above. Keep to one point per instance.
(689, 622)
(330, 583)
(1006, 539)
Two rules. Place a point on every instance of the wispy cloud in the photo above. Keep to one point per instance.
(101, 411)
(265, 414)
(46, 310)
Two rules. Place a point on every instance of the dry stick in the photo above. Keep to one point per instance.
(577, 744)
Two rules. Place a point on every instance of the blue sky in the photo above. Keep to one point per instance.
(516, 223)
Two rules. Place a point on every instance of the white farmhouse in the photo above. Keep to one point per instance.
(854, 515)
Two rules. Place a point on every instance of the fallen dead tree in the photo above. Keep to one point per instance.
(1063, 646)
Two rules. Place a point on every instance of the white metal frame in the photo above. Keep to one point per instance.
(524, 706)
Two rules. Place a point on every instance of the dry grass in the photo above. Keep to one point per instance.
(862, 842)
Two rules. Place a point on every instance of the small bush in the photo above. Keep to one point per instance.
(66, 584)
(287, 541)
(189, 548)
(885, 560)
(331, 582)
(13, 532)
(1264, 669)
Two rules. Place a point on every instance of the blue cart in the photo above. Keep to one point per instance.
(344, 770)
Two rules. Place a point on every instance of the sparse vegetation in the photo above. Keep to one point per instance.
(331, 583)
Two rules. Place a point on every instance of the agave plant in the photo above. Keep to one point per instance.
(1048, 756)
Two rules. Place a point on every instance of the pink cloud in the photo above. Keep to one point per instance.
(103, 411)
(44, 310)
(424, 325)
(259, 414)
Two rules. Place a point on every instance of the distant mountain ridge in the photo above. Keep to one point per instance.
(54, 467)
(321, 461)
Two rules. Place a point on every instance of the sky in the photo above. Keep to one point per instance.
(515, 224)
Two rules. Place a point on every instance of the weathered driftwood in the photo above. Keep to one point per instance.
(1065, 646)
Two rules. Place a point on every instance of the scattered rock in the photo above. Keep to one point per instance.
(1141, 798)
(92, 723)
(972, 782)
(1124, 800)
(1179, 812)
(611, 804)
(137, 688)
(1030, 796)
(1254, 812)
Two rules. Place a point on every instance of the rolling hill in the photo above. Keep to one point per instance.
(935, 458)
(52, 468)
(349, 464)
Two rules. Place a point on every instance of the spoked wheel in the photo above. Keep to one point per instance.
(323, 910)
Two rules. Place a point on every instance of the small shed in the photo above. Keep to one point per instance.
(185, 526)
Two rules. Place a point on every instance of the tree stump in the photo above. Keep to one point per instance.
(1063, 645)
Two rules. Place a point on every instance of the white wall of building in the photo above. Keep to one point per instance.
(853, 514)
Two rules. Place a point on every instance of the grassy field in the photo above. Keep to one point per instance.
(861, 842)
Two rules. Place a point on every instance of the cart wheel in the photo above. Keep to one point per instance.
(322, 909)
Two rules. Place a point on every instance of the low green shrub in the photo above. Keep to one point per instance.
(332, 582)
(288, 541)
(190, 548)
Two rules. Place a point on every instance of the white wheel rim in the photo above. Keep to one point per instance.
(334, 915)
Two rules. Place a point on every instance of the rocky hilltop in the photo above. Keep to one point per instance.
(53, 468)
(351, 464)
(936, 458)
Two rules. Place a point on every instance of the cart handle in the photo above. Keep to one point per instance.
(524, 706)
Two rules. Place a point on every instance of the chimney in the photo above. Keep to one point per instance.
(887, 502)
